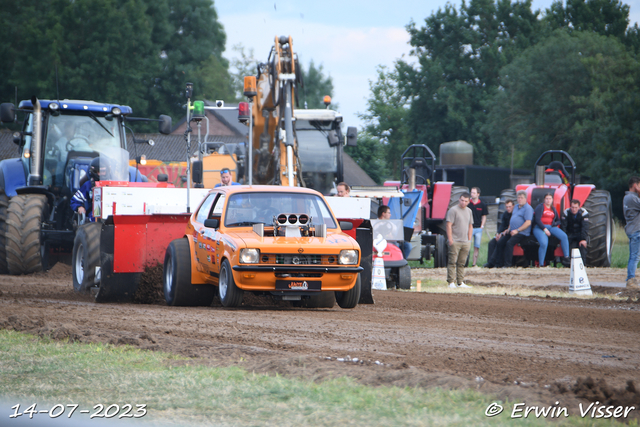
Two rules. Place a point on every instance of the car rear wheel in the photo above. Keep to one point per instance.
(230, 295)
(350, 298)
(176, 278)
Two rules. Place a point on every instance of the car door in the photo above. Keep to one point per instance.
(199, 236)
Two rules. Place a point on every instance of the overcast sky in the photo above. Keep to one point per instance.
(349, 38)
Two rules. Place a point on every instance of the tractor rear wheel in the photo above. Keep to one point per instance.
(508, 194)
(598, 204)
(404, 277)
(350, 298)
(230, 295)
(176, 278)
(441, 255)
(86, 256)
(25, 215)
(4, 204)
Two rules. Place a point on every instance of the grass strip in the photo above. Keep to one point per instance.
(179, 391)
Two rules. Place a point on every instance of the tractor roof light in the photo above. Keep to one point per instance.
(54, 106)
(243, 112)
(198, 109)
(116, 111)
(250, 86)
(327, 100)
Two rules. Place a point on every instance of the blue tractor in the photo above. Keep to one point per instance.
(58, 141)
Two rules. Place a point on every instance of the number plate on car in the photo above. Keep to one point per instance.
(298, 285)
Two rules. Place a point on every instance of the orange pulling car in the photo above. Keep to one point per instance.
(270, 240)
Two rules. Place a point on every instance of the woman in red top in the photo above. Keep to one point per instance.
(547, 221)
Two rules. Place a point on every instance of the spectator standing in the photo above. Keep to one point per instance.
(480, 212)
(459, 234)
(575, 222)
(502, 228)
(631, 209)
(343, 190)
(519, 229)
(546, 225)
(225, 178)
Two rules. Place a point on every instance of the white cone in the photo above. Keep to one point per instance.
(579, 282)
(378, 282)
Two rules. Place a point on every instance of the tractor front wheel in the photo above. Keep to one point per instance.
(86, 256)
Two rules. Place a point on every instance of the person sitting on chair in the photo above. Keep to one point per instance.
(575, 222)
(547, 220)
(502, 228)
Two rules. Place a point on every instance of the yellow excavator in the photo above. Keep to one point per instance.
(291, 147)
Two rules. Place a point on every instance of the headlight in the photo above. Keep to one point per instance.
(116, 111)
(348, 257)
(249, 256)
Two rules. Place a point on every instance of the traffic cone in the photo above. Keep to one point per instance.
(378, 282)
(579, 282)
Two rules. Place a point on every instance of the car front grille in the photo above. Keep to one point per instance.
(298, 259)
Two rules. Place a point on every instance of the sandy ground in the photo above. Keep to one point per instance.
(533, 349)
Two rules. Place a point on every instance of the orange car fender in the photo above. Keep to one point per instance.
(197, 277)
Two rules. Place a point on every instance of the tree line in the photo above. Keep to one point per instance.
(134, 52)
(500, 75)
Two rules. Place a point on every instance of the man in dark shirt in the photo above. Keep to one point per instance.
(575, 222)
(502, 228)
(480, 212)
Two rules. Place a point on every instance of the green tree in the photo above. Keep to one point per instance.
(386, 121)
(606, 17)
(370, 156)
(576, 92)
(135, 52)
(458, 57)
(315, 86)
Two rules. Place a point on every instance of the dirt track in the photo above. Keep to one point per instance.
(523, 348)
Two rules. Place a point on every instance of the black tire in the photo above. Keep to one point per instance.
(85, 256)
(350, 298)
(25, 215)
(508, 194)
(441, 254)
(230, 295)
(325, 299)
(4, 204)
(598, 204)
(404, 277)
(176, 278)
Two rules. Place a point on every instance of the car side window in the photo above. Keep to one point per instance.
(203, 212)
(217, 207)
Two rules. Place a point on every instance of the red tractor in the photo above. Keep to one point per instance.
(418, 170)
(555, 173)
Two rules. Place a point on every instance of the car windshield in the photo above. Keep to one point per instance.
(245, 209)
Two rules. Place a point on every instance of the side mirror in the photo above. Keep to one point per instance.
(197, 171)
(17, 138)
(352, 136)
(7, 112)
(164, 127)
(346, 225)
(332, 136)
(212, 223)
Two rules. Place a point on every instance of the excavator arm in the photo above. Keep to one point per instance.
(274, 141)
